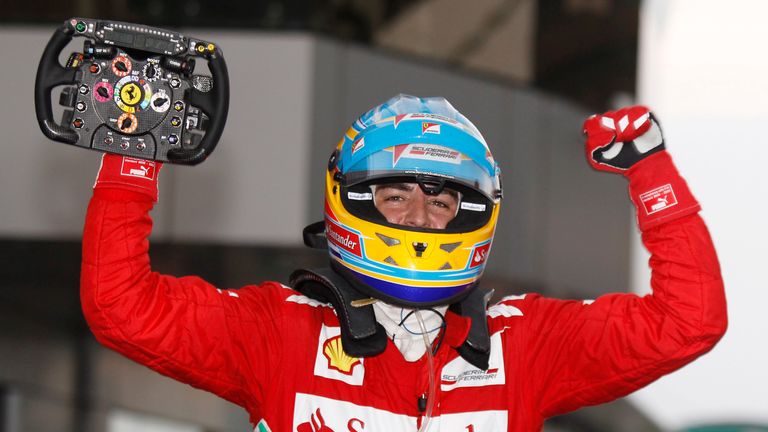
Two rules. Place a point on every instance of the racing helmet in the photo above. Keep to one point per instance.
(425, 141)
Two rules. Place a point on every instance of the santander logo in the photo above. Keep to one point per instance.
(343, 238)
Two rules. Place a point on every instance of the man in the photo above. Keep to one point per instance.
(396, 334)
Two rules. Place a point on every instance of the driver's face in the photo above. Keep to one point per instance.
(406, 204)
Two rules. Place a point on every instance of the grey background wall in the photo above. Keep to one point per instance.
(564, 229)
(292, 97)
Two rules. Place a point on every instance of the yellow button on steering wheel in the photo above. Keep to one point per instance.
(131, 94)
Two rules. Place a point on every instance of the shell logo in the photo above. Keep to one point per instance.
(479, 255)
(337, 358)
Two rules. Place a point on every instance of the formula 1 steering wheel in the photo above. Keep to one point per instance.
(133, 91)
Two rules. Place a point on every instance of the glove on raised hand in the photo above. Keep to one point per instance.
(617, 140)
(629, 142)
(127, 173)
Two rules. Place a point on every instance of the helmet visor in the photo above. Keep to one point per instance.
(415, 160)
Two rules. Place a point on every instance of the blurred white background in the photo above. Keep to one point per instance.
(704, 71)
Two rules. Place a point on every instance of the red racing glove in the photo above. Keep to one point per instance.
(127, 173)
(629, 141)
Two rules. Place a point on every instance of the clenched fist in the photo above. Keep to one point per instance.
(629, 142)
(617, 140)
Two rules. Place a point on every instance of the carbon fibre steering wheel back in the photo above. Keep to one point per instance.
(133, 91)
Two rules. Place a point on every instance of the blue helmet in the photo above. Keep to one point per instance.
(419, 140)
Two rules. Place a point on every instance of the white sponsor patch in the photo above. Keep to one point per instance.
(317, 413)
(473, 206)
(435, 117)
(366, 196)
(460, 373)
(658, 199)
(426, 152)
(333, 363)
(133, 167)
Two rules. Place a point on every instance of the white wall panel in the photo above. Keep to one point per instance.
(703, 70)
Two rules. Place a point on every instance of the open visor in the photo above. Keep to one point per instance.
(424, 160)
(432, 167)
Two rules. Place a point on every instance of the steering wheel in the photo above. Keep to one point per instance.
(133, 91)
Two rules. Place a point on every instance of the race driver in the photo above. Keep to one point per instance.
(396, 334)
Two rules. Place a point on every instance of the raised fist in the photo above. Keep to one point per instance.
(616, 140)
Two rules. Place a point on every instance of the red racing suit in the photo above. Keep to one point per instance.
(278, 354)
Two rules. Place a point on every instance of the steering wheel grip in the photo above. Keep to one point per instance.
(215, 104)
(50, 74)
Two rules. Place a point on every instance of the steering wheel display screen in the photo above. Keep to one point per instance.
(132, 91)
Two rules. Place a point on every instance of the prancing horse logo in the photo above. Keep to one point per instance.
(130, 94)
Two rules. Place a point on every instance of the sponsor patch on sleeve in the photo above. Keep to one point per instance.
(133, 167)
(658, 199)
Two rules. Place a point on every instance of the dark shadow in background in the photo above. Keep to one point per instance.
(40, 286)
(584, 50)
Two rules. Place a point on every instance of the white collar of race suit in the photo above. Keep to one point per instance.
(403, 328)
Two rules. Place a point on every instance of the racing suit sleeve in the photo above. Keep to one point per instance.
(185, 328)
(585, 353)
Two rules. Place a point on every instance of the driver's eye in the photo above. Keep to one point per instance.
(394, 198)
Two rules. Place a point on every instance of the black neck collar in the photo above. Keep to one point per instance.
(362, 336)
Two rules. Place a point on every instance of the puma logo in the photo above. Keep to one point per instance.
(142, 171)
(138, 168)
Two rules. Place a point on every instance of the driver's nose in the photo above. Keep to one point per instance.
(417, 215)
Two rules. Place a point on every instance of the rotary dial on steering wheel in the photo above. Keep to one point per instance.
(132, 94)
